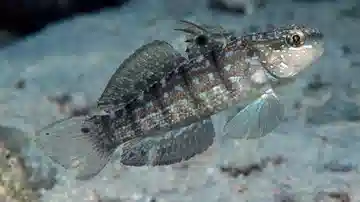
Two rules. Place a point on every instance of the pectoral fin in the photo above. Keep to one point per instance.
(169, 148)
(257, 119)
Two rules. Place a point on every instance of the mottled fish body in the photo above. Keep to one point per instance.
(158, 104)
(192, 92)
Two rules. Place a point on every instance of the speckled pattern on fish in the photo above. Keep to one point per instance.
(203, 86)
(221, 71)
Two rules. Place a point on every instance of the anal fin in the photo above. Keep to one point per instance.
(169, 148)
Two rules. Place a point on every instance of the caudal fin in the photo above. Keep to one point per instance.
(77, 144)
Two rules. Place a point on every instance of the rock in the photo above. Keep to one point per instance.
(312, 1)
(178, 9)
(332, 197)
(20, 178)
(6, 38)
(334, 191)
(15, 139)
(237, 6)
(20, 84)
(335, 109)
(284, 193)
(24, 17)
(352, 12)
(346, 49)
(315, 84)
(14, 176)
(336, 166)
(254, 167)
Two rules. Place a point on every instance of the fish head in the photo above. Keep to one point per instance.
(285, 52)
(202, 40)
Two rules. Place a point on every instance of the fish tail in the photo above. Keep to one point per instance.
(78, 144)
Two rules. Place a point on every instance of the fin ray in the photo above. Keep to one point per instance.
(65, 144)
(146, 65)
(257, 119)
(170, 148)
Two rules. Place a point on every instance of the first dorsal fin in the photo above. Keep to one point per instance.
(146, 65)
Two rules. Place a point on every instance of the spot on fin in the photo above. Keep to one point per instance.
(77, 144)
(170, 148)
(257, 119)
(145, 66)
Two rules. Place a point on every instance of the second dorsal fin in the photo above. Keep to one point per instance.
(147, 65)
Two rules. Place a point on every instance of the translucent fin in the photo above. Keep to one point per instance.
(170, 148)
(150, 63)
(77, 144)
(257, 119)
(217, 37)
(197, 29)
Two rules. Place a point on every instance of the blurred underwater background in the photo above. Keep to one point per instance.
(57, 56)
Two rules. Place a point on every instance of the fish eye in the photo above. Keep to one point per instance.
(201, 40)
(295, 39)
